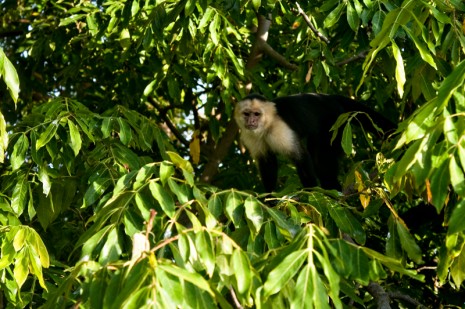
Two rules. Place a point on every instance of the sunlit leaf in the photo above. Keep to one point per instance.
(19, 152)
(193, 278)
(280, 275)
(47, 135)
(9, 75)
(234, 208)
(400, 71)
(163, 197)
(75, 137)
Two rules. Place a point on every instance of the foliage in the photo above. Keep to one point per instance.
(112, 112)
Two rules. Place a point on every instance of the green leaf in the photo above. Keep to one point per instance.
(19, 152)
(234, 208)
(3, 138)
(346, 141)
(439, 184)
(183, 274)
(334, 16)
(10, 76)
(283, 222)
(242, 271)
(424, 53)
(256, 4)
(206, 18)
(163, 197)
(204, 245)
(125, 133)
(254, 213)
(457, 269)
(451, 83)
(393, 245)
(213, 29)
(215, 205)
(19, 240)
(456, 222)
(106, 126)
(303, 292)
(352, 17)
(39, 247)
(92, 24)
(457, 178)
(285, 270)
(166, 171)
(346, 221)
(47, 135)
(408, 242)
(19, 196)
(180, 162)
(75, 137)
(45, 180)
(181, 190)
(21, 269)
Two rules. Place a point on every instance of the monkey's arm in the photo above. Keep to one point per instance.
(268, 166)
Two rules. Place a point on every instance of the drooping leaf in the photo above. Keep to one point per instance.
(10, 76)
(75, 137)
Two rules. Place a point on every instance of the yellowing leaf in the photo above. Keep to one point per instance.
(194, 148)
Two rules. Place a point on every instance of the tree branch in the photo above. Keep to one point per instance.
(260, 47)
(219, 152)
(380, 295)
(309, 23)
(407, 298)
(164, 117)
(360, 55)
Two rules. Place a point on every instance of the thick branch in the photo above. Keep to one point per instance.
(220, 152)
(407, 298)
(260, 47)
(309, 23)
(380, 295)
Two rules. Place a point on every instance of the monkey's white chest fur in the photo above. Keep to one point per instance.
(278, 138)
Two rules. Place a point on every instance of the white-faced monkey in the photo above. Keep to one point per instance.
(298, 127)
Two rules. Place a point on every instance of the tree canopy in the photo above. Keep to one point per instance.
(123, 183)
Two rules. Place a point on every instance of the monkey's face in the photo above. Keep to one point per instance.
(252, 118)
(252, 115)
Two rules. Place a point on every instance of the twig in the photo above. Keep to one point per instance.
(360, 55)
(309, 23)
(234, 297)
(278, 57)
(162, 114)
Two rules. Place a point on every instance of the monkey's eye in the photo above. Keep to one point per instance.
(247, 114)
(256, 114)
